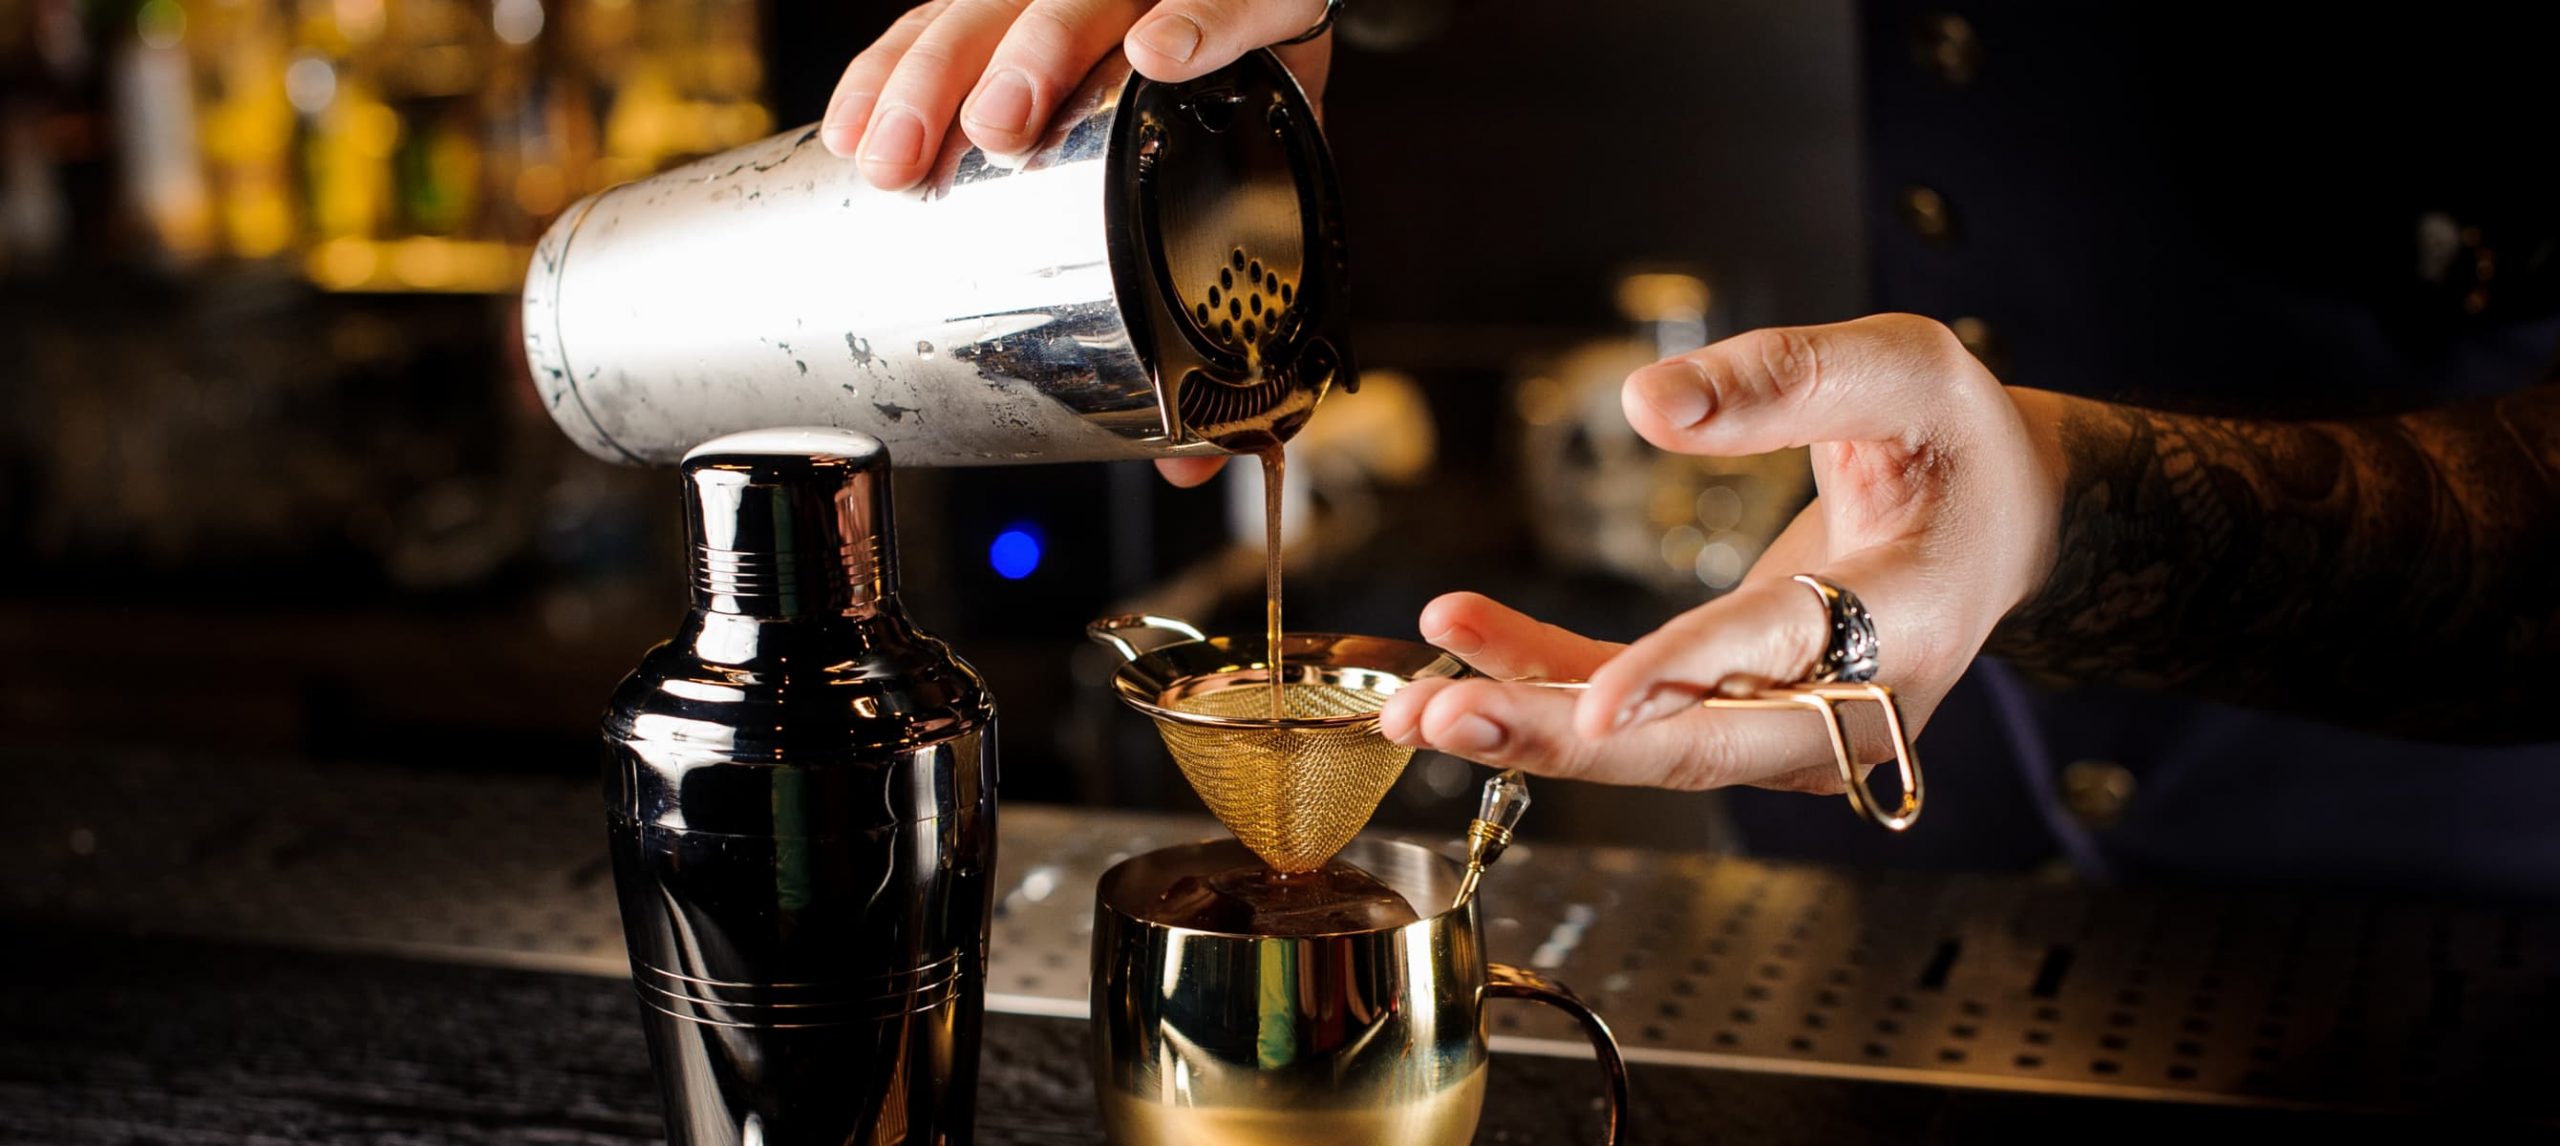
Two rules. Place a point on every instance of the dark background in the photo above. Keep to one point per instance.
(243, 513)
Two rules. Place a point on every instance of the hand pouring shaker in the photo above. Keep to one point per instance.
(1161, 276)
(802, 797)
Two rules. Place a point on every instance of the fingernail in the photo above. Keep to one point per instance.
(1649, 708)
(844, 119)
(1628, 715)
(1742, 685)
(1004, 104)
(1458, 639)
(1174, 37)
(1472, 734)
(897, 140)
(1676, 393)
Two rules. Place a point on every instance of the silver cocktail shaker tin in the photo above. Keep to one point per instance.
(1162, 276)
(801, 793)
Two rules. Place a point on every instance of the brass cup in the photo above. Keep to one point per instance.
(1367, 1036)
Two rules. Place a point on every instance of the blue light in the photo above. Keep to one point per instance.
(1015, 553)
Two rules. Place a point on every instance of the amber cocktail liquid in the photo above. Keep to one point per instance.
(1255, 899)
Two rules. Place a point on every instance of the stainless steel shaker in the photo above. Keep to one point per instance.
(1161, 276)
(802, 798)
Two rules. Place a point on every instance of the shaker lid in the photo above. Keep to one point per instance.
(1225, 192)
(790, 521)
(790, 450)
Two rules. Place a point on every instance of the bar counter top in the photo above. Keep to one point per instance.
(299, 953)
(118, 1039)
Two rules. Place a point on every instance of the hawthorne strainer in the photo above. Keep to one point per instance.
(1298, 784)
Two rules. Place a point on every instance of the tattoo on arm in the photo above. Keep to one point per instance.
(2400, 574)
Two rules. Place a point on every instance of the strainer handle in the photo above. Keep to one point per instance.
(1824, 700)
(1108, 630)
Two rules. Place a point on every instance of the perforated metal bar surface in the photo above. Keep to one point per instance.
(1967, 981)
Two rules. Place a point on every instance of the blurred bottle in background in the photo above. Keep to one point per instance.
(256, 268)
(53, 152)
(31, 209)
(260, 402)
(240, 53)
(383, 145)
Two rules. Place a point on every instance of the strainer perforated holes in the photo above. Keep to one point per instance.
(1294, 795)
(1247, 287)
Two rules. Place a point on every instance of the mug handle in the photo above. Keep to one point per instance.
(1504, 981)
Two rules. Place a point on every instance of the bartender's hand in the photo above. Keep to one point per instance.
(1003, 66)
(1939, 494)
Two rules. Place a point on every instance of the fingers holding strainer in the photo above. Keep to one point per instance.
(1530, 727)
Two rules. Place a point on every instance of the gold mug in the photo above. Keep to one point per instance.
(1360, 1037)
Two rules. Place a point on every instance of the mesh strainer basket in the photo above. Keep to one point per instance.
(1296, 786)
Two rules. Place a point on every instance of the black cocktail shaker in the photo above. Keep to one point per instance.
(801, 790)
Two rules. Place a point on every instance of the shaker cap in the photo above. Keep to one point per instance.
(790, 521)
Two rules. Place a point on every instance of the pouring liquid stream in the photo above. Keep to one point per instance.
(1275, 463)
(1275, 466)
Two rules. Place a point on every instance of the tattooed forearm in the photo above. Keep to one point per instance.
(2401, 574)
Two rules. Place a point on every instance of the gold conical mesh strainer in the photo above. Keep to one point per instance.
(1294, 786)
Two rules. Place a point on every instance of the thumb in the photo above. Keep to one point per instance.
(1185, 39)
(1185, 473)
(1893, 377)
